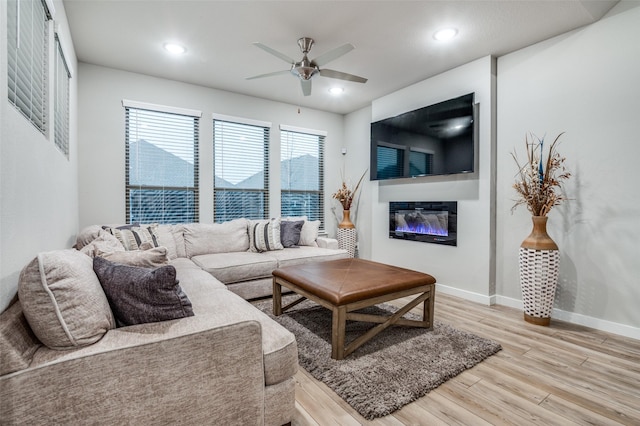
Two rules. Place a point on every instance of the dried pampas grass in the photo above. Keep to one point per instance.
(539, 180)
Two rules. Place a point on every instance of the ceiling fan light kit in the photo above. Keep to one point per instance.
(306, 69)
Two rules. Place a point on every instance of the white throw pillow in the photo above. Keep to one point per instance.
(309, 233)
(264, 235)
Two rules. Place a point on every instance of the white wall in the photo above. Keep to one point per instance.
(101, 130)
(467, 269)
(586, 83)
(38, 184)
(355, 163)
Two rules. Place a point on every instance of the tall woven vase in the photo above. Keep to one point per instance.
(539, 264)
(347, 234)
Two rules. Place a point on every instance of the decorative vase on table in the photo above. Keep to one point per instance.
(347, 234)
(539, 262)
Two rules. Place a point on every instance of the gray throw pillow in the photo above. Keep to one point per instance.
(290, 232)
(141, 295)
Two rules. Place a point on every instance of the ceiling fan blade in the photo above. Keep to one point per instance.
(306, 87)
(274, 52)
(342, 76)
(269, 74)
(329, 56)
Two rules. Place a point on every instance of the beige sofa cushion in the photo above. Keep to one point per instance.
(17, 341)
(86, 235)
(103, 243)
(152, 258)
(208, 238)
(187, 271)
(300, 255)
(63, 301)
(279, 346)
(171, 237)
(234, 267)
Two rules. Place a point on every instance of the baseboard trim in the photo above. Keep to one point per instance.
(572, 317)
(464, 294)
(580, 319)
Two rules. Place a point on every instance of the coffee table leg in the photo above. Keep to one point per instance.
(429, 304)
(338, 325)
(277, 298)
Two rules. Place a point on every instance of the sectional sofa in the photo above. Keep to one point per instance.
(220, 361)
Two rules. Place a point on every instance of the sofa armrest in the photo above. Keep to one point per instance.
(326, 242)
(160, 373)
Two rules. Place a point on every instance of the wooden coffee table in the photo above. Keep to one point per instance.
(347, 285)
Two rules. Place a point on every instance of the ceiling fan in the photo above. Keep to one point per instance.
(306, 69)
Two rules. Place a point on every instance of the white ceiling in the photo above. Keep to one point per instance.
(393, 39)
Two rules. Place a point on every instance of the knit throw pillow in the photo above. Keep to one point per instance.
(142, 295)
(264, 235)
(290, 232)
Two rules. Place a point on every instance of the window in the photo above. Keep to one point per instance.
(61, 102)
(390, 160)
(302, 173)
(241, 168)
(161, 163)
(420, 162)
(27, 61)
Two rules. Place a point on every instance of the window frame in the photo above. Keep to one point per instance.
(61, 104)
(26, 81)
(320, 192)
(194, 189)
(219, 191)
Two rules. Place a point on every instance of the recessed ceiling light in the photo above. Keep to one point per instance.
(445, 34)
(175, 48)
(336, 90)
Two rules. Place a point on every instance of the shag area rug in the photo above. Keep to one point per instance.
(396, 367)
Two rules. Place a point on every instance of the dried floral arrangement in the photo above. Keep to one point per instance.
(345, 195)
(539, 180)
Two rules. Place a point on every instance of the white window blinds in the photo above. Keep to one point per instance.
(241, 168)
(27, 61)
(302, 173)
(61, 101)
(161, 164)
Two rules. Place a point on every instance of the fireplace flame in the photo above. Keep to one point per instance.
(422, 228)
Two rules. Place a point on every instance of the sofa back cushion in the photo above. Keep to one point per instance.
(63, 301)
(17, 341)
(209, 238)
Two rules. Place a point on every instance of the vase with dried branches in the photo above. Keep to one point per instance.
(539, 187)
(346, 228)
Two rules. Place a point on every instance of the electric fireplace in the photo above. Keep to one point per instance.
(424, 221)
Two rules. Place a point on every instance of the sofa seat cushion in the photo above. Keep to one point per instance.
(187, 271)
(237, 266)
(305, 254)
(279, 346)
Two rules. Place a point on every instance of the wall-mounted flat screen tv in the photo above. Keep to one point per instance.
(435, 140)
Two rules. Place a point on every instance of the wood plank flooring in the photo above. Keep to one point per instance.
(564, 374)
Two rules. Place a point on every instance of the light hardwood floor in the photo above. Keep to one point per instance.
(559, 375)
